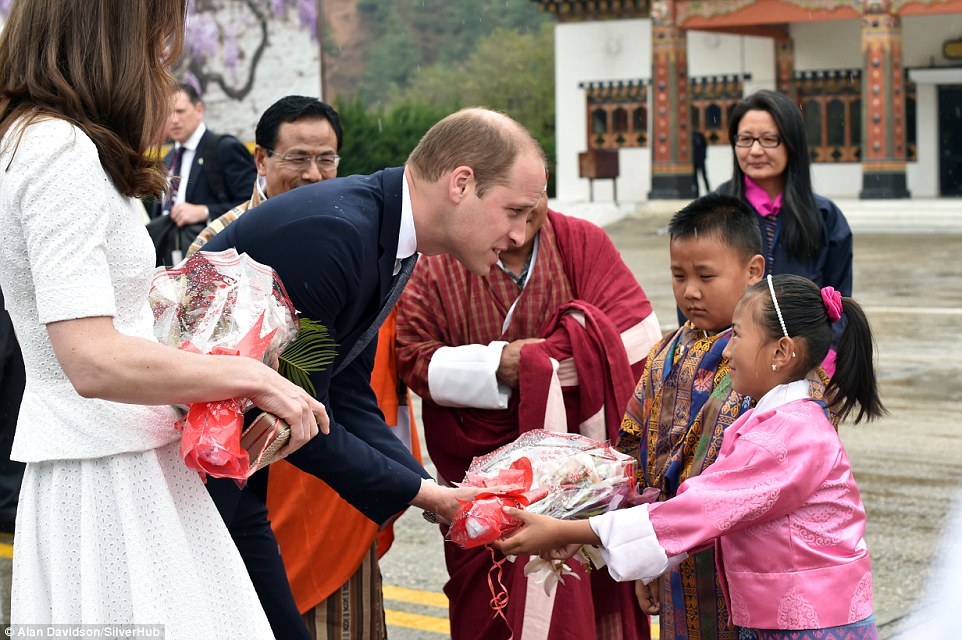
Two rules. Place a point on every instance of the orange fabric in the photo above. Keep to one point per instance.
(323, 539)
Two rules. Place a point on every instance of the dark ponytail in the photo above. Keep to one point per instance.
(855, 382)
(806, 320)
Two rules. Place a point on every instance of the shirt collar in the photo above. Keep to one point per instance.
(260, 185)
(522, 278)
(194, 139)
(407, 238)
(782, 394)
(759, 198)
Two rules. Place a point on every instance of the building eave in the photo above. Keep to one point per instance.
(589, 10)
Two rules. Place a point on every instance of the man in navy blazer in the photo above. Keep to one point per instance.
(210, 173)
(339, 247)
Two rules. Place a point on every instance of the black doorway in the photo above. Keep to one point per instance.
(950, 140)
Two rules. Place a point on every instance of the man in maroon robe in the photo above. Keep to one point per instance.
(555, 338)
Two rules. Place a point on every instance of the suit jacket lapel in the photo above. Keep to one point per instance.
(388, 236)
(394, 292)
(390, 229)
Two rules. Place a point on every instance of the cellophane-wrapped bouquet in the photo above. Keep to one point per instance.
(563, 475)
(221, 303)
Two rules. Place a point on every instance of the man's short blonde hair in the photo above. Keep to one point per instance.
(487, 141)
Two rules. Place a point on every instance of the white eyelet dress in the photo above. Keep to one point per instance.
(112, 528)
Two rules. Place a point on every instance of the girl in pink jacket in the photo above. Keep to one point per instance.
(780, 503)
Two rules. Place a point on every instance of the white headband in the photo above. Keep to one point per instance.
(778, 311)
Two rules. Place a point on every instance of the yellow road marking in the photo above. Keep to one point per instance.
(415, 596)
(417, 621)
(434, 599)
(6, 550)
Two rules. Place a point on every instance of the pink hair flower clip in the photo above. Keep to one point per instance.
(832, 300)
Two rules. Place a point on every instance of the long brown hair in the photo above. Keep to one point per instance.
(103, 65)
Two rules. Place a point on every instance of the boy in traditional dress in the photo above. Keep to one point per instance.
(683, 403)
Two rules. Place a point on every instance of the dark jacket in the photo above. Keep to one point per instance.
(333, 245)
(234, 182)
(832, 263)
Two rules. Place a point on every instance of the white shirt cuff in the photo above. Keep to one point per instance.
(629, 545)
(466, 376)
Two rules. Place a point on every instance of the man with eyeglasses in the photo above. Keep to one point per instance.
(297, 140)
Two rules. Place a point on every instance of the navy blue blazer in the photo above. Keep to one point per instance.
(334, 245)
(236, 165)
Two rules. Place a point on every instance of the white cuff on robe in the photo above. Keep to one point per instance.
(629, 545)
(465, 376)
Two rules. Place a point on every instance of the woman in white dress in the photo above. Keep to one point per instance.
(112, 527)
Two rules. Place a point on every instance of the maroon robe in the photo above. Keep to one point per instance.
(577, 269)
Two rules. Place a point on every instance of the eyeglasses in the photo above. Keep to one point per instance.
(301, 161)
(767, 141)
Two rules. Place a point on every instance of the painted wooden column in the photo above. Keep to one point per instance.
(670, 140)
(883, 103)
(785, 64)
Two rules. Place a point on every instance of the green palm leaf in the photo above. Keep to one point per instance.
(312, 351)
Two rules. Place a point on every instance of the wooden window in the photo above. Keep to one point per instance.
(831, 103)
(712, 101)
(617, 113)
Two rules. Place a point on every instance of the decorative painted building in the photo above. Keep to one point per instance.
(879, 83)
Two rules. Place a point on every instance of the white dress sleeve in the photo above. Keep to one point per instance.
(63, 193)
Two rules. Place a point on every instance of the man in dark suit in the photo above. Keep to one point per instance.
(343, 249)
(210, 174)
(699, 153)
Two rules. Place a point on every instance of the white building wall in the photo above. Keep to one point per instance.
(597, 51)
(923, 176)
(621, 50)
(828, 45)
(711, 54)
(923, 36)
(290, 65)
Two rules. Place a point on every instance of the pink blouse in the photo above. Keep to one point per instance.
(785, 515)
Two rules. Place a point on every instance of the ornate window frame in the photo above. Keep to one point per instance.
(616, 113)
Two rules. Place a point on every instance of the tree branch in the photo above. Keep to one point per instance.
(205, 77)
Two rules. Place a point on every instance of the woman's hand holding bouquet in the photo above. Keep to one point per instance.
(227, 304)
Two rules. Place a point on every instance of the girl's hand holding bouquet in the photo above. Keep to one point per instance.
(542, 474)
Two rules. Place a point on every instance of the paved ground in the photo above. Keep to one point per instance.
(909, 465)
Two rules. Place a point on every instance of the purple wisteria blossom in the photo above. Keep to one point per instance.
(214, 32)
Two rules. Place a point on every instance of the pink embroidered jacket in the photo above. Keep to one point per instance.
(785, 515)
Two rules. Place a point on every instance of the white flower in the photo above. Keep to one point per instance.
(548, 572)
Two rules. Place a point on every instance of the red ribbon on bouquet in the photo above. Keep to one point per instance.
(210, 443)
(482, 520)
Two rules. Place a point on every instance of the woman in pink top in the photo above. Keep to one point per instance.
(780, 503)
